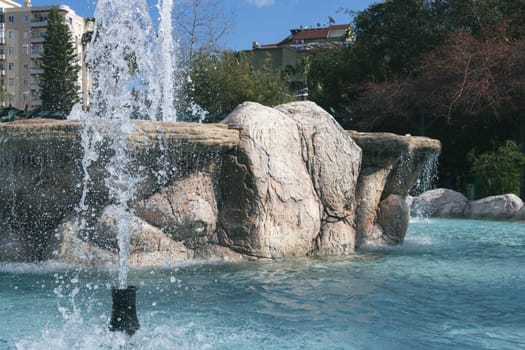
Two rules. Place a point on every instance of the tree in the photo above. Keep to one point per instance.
(221, 81)
(391, 36)
(201, 25)
(330, 79)
(59, 82)
(449, 69)
(500, 169)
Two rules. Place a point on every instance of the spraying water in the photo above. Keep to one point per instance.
(132, 71)
(168, 59)
(429, 175)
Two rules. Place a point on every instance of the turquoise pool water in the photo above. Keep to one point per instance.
(455, 284)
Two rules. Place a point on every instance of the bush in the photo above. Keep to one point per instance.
(500, 170)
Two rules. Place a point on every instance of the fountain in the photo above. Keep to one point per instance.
(263, 185)
(128, 83)
(266, 183)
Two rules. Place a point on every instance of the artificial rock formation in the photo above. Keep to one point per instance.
(264, 183)
(391, 165)
(270, 207)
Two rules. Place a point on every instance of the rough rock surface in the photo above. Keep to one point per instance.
(186, 210)
(393, 217)
(494, 207)
(265, 183)
(334, 169)
(270, 208)
(391, 165)
(41, 160)
(440, 202)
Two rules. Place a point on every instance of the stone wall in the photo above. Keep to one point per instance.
(264, 183)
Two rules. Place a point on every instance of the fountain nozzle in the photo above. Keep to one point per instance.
(124, 311)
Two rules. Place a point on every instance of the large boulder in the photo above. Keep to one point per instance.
(333, 161)
(270, 207)
(440, 202)
(494, 207)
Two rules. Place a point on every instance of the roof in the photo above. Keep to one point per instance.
(303, 35)
(318, 33)
(311, 39)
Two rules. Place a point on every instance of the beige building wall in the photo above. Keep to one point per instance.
(22, 34)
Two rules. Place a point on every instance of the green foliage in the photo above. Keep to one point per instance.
(448, 69)
(480, 17)
(391, 36)
(394, 37)
(500, 170)
(221, 81)
(59, 80)
(329, 77)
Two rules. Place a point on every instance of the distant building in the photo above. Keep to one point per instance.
(22, 34)
(302, 42)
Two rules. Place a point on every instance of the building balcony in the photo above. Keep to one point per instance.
(2, 40)
(38, 23)
(35, 86)
(37, 39)
(36, 55)
(37, 70)
(2, 56)
(2, 72)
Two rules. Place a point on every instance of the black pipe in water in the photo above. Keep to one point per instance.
(124, 311)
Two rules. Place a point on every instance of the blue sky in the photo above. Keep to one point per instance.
(264, 21)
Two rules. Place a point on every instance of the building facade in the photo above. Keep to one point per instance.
(292, 51)
(23, 31)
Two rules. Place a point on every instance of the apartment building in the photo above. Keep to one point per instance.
(299, 44)
(23, 30)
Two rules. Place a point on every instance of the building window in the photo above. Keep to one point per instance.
(10, 50)
(11, 81)
(26, 49)
(11, 19)
(11, 66)
(26, 65)
(26, 82)
(26, 18)
(12, 34)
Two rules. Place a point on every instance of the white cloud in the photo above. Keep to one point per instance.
(262, 3)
